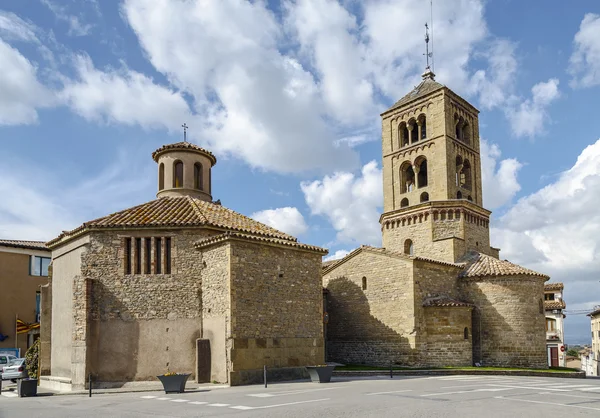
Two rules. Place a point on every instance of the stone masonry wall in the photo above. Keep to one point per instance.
(375, 325)
(276, 308)
(508, 321)
(446, 342)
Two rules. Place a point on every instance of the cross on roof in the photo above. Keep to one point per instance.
(185, 127)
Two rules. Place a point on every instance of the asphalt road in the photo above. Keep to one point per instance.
(443, 396)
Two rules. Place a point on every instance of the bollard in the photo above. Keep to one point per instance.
(391, 371)
(265, 373)
(90, 383)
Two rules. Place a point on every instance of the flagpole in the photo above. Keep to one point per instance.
(17, 333)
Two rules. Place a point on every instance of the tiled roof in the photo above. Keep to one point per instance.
(328, 263)
(554, 286)
(481, 265)
(428, 85)
(595, 312)
(236, 235)
(30, 245)
(554, 304)
(185, 146)
(447, 303)
(180, 211)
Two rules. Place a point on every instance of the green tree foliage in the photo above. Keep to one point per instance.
(31, 359)
(572, 352)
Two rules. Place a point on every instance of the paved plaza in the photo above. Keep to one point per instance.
(443, 396)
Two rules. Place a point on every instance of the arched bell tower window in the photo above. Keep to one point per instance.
(469, 198)
(424, 197)
(404, 203)
(403, 134)
(466, 133)
(459, 195)
(465, 178)
(414, 131)
(161, 176)
(178, 174)
(422, 127)
(408, 247)
(407, 178)
(422, 176)
(198, 184)
(466, 332)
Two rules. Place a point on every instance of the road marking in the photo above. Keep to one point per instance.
(529, 387)
(570, 387)
(180, 400)
(289, 392)
(162, 399)
(243, 408)
(198, 403)
(10, 395)
(571, 396)
(547, 403)
(148, 397)
(466, 391)
(290, 403)
(592, 388)
(384, 393)
(218, 404)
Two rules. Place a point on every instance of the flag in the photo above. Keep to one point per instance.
(23, 327)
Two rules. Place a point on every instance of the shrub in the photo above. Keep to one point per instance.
(31, 359)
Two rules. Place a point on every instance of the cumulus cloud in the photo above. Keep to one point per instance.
(287, 219)
(500, 182)
(337, 255)
(350, 203)
(530, 117)
(12, 27)
(584, 64)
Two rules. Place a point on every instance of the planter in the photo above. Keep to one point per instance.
(27, 387)
(174, 383)
(320, 374)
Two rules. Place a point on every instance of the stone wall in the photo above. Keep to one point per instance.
(276, 309)
(446, 342)
(375, 325)
(508, 321)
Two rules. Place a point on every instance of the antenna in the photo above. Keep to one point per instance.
(431, 9)
(427, 53)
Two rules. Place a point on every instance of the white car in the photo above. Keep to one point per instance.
(16, 370)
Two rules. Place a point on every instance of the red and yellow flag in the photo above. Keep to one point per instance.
(23, 327)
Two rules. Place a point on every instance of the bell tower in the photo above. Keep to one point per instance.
(433, 203)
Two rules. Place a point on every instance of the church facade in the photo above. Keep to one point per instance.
(180, 284)
(436, 293)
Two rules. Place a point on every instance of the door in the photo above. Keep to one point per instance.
(553, 356)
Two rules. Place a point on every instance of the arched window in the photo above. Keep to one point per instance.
(364, 283)
(459, 195)
(459, 163)
(178, 174)
(422, 177)
(407, 178)
(465, 179)
(466, 133)
(466, 332)
(198, 184)
(459, 127)
(403, 134)
(423, 122)
(404, 203)
(424, 197)
(408, 247)
(161, 176)
(469, 198)
(414, 131)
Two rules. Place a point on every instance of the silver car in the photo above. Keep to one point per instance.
(16, 370)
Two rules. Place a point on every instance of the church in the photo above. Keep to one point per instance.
(437, 293)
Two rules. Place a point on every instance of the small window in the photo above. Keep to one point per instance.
(550, 325)
(147, 255)
(459, 195)
(466, 332)
(404, 203)
(39, 266)
(364, 283)
(549, 296)
(198, 184)
(178, 174)
(138, 255)
(127, 256)
(167, 255)
(469, 198)
(158, 256)
(424, 197)
(408, 247)
(161, 176)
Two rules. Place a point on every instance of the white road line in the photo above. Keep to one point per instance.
(180, 400)
(218, 404)
(529, 387)
(570, 396)
(162, 399)
(148, 397)
(242, 407)
(547, 403)
(592, 388)
(475, 386)
(290, 403)
(466, 391)
(290, 392)
(384, 393)
(198, 403)
(570, 387)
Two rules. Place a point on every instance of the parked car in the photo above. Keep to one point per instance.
(16, 370)
(5, 360)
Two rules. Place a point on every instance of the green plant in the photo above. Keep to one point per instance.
(32, 359)
(572, 352)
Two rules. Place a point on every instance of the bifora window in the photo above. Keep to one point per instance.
(38, 266)
(147, 255)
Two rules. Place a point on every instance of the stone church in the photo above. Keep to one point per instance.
(181, 284)
(437, 293)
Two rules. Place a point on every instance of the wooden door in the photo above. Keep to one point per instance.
(554, 356)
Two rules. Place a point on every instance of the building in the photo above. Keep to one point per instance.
(23, 269)
(182, 284)
(554, 305)
(590, 359)
(436, 293)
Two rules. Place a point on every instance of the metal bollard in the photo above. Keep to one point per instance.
(391, 371)
(265, 373)
(90, 384)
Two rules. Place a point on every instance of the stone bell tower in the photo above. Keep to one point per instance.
(433, 203)
(184, 169)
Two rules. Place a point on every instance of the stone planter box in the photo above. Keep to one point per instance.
(174, 383)
(320, 374)
(27, 387)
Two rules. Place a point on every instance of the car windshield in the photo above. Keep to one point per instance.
(18, 362)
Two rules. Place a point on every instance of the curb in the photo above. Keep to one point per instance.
(127, 390)
(570, 375)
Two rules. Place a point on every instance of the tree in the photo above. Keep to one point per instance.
(32, 359)
(572, 352)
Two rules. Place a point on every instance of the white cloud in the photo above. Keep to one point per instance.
(585, 60)
(76, 26)
(20, 91)
(530, 117)
(287, 219)
(500, 182)
(351, 204)
(12, 27)
(337, 255)
(123, 96)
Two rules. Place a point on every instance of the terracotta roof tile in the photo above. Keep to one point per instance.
(186, 146)
(447, 303)
(554, 304)
(481, 265)
(31, 245)
(180, 211)
(554, 286)
(236, 235)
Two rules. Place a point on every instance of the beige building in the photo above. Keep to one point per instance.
(590, 360)
(554, 305)
(182, 284)
(23, 269)
(437, 293)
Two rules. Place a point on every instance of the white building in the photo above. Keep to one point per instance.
(589, 360)
(555, 330)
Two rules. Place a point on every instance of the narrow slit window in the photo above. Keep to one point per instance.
(167, 255)
(138, 255)
(364, 283)
(147, 255)
(158, 256)
(128, 256)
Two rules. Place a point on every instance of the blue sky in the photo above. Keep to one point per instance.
(288, 95)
